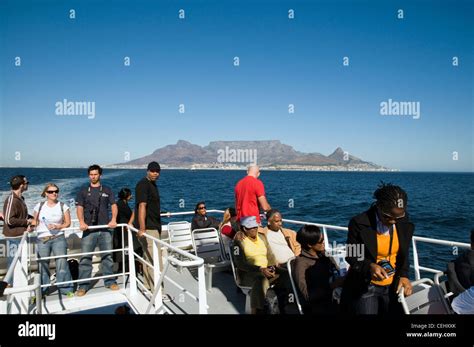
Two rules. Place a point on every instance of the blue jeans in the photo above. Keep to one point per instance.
(90, 240)
(57, 246)
(375, 301)
(12, 247)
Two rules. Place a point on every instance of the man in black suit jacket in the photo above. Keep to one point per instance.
(382, 237)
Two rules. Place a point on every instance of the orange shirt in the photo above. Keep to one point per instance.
(383, 245)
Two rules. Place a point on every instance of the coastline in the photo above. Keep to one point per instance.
(323, 168)
(239, 168)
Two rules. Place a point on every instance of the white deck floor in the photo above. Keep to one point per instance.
(224, 298)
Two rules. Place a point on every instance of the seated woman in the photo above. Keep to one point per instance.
(255, 263)
(228, 227)
(50, 217)
(312, 272)
(201, 220)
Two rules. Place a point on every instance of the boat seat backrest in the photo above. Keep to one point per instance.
(180, 235)
(234, 268)
(293, 285)
(207, 245)
(429, 300)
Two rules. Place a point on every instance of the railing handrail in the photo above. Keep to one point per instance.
(193, 261)
(441, 242)
(196, 261)
(327, 226)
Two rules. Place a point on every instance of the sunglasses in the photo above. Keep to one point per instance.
(390, 217)
(202, 208)
(52, 191)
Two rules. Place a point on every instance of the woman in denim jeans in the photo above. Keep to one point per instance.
(50, 217)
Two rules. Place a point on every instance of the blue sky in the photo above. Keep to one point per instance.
(282, 62)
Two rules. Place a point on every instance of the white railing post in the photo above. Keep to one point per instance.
(131, 263)
(23, 298)
(326, 241)
(202, 295)
(122, 237)
(19, 301)
(416, 264)
(38, 294)
(157, 291)
(157, 272)
(4, 304)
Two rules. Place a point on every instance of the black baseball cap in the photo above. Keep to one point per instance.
(154, 166)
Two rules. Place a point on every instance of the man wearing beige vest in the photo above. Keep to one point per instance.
(282, 241)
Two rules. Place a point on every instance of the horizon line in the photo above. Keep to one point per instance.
(229, 169)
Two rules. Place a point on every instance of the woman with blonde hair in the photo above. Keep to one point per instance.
(51, 216)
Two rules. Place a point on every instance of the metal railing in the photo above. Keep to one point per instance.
(194, 261)
(16, 298)
(156, 298)
(416, 264)
(416, 239)
(19, 267)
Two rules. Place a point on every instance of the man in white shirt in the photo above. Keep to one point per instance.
(282, 241)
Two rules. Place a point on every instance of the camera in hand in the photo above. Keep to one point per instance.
(94, 216)
(385, 264)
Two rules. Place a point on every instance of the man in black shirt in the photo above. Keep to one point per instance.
(93, 202)
(148, 212)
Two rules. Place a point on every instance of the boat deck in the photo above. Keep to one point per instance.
(223, 298)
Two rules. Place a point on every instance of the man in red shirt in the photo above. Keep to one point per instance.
(250, 195)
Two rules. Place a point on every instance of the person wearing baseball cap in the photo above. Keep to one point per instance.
(255, 263)
(148, 218)
(154, 167)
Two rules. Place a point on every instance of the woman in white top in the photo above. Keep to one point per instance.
(50, 217)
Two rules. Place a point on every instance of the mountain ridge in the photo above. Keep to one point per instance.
(266, 153)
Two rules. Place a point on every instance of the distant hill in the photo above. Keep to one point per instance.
(271, 153)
